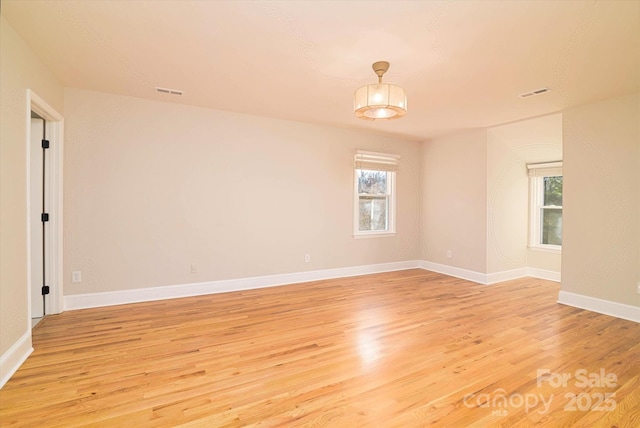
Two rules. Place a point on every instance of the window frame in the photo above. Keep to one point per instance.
(380, 162)
(536, 204)
(391, 207)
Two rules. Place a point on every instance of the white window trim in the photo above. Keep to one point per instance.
(537, 172)
(375, 161)
(391, 213)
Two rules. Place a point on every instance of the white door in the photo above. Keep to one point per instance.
(37, 309)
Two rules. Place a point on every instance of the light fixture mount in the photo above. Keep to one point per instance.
(380, 68)
(380, 100)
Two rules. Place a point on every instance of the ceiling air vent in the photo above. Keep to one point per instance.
(536, 92)
(168, 91)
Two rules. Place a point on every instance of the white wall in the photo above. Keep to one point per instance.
(20, 70)
(454, 200)
(601, 248)
(152, 187)
(510, 148)
(507, 206)
(475, 198)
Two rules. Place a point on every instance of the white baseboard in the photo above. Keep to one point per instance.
(490, 278)
(606, 307)
(469, 275)
(95, 300)
(544, 274)
(506, 275)
(13, 358)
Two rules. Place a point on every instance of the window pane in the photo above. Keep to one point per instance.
(372, 182)
(373, 213)
(551, 226)
(553, 191)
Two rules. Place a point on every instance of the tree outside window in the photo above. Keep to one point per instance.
(551, 211)
(373, 200)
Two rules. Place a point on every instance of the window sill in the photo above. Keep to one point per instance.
(374, 235)
(552, 250)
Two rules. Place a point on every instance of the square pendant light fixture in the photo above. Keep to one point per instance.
(380, 100)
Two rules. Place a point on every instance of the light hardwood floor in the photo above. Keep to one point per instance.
(401, 349)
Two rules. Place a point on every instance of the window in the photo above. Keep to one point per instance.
(374, 194)
(546, 205)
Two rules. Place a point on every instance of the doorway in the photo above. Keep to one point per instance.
(44, 209)
(39, 209)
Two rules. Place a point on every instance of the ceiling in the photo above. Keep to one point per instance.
(462, 63)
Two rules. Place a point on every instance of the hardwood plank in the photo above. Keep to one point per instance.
(409, 348)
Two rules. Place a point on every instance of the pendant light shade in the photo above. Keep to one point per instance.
(380, 100)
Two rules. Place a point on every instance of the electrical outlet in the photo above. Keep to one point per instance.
(307, 258)
(194, 268)
(76, 276)
(449, 254)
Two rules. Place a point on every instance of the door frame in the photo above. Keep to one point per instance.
(54, 128)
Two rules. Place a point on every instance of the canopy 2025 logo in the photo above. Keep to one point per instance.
(500, 402)
(583, 401)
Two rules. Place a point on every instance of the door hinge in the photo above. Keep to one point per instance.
(45, 290)
(44, 217)
(45, 144)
